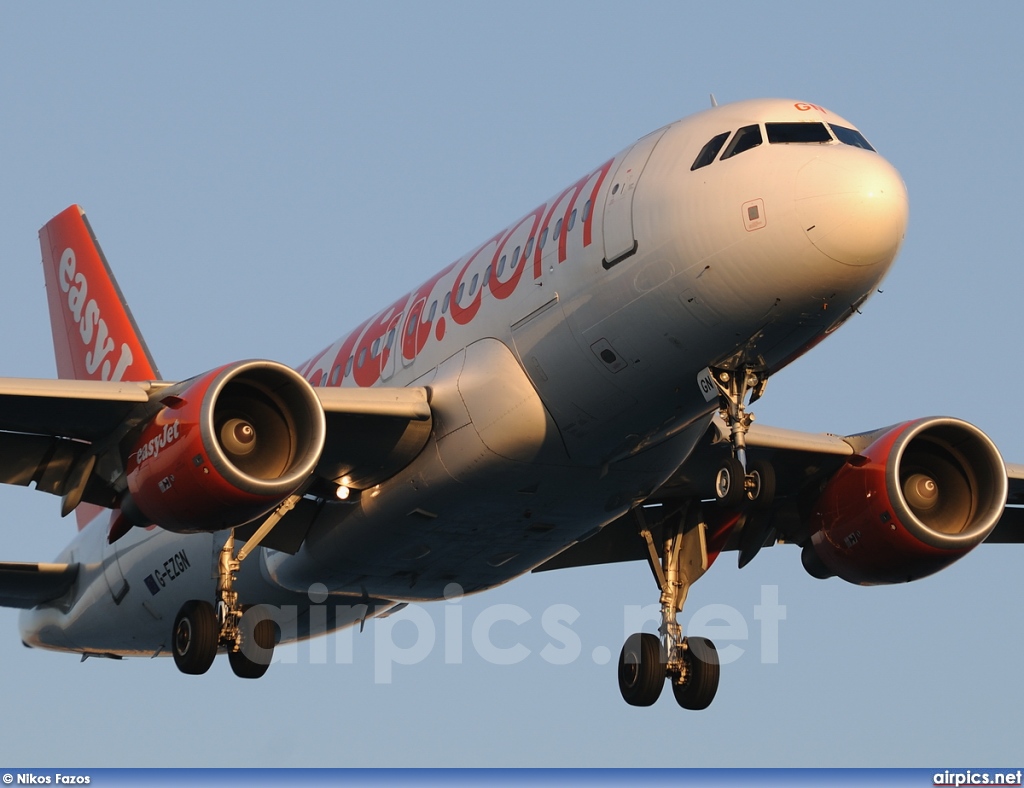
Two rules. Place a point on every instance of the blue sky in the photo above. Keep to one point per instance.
(262, 176)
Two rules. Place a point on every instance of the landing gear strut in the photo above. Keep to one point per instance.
(200, 629)
(738, 478)
(690, 664)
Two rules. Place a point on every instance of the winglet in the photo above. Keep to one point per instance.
(94, 334)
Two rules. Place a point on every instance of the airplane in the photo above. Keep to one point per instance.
(574, 391)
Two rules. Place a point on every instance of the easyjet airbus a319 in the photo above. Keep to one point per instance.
(573, 391)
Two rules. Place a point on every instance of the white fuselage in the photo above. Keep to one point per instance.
(565, 359)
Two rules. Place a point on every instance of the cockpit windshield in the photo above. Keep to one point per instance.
(850, 137)
(804, 132)
(797, 132)
(708, 152)
(746, 138)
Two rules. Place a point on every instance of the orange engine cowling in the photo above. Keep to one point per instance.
(920, 496)
(227, 447)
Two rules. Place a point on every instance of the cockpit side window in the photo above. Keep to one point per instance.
(746, 138)
(850, 137)
(708, 152)
(797, 132)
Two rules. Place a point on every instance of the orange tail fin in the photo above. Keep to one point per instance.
(94, 334)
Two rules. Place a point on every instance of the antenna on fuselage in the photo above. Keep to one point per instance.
(714, 101)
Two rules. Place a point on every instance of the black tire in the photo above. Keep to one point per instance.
(762, 494)
(249, 662)
(729, 486)
(641, 669)
(703, 671)
(194, 637)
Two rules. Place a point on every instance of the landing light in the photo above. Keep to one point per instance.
(343, 492)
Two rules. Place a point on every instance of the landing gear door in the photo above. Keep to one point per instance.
(619, 239)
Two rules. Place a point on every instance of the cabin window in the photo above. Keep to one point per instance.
(472, 285)
(362, 358)
(586, 209)
(348, 365)
(850, 137)
(543, 237)
(709, 151)
(515, 257)
(797, 132)
(572, 221)
(391, 339)
(433, 311)
(462, 290)
(335, 374)
(412, 324)
(447, 301)
(375, 348)
(529, 248)
(501, 265)
(746, 138)
(558, 230)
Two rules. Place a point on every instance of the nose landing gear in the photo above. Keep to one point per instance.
(738, 479)
(690, 664)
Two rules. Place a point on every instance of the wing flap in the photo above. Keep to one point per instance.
(41, 459)
(29, 585)
(28, 458)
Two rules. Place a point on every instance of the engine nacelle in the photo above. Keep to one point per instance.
(922, 495)
(228, 447)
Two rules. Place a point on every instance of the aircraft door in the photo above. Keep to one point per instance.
(392, 347)
(411, 331)
(619, 239)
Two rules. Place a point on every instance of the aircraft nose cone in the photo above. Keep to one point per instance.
(853, 206)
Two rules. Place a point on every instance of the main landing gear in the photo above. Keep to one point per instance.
(689, 663)
(738, 479)
(200, 629)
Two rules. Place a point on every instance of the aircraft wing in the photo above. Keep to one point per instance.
(1016, 475)
(27, 585)
(372, 433)
(1010, 529)
(801, 460)
(79, 409)
(49, 430)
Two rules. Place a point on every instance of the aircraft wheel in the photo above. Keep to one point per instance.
(702, 672)
(253, 658)
(194, 637)
(729, 483)
(762, 492)
(641, 669)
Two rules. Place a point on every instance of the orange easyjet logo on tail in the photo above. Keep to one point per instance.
(91, 325)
